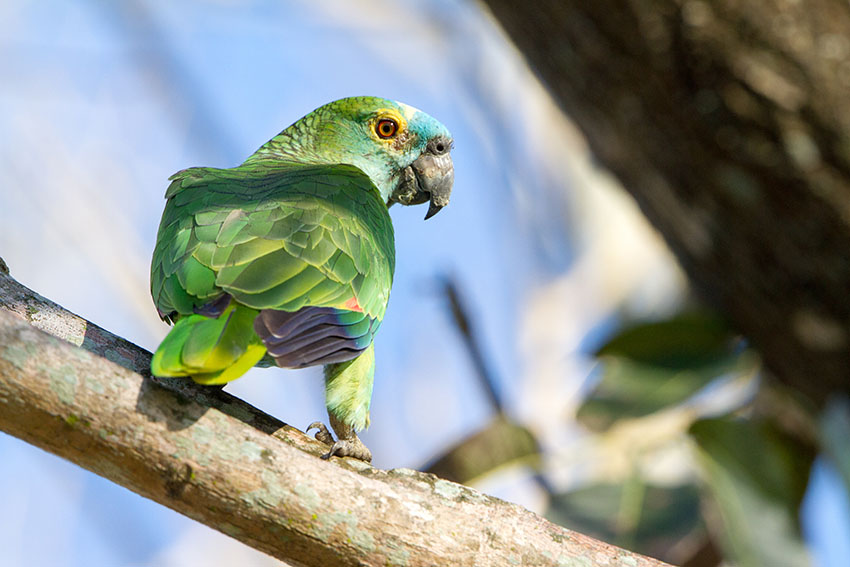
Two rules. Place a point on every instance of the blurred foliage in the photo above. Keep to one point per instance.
(688, 341)
(500, 443)
(653, 366)
(753, 470)
(635, 514)
(756, 476)
(746, 461)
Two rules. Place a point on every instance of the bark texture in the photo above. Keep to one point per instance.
(224, 463)
(729, 122)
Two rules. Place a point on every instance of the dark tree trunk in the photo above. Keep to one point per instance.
(729, 122)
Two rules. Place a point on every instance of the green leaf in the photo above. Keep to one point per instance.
(757, 477)
(645, 518)
(630, 389)
(652, 366)
(500, 443)
(686, 341)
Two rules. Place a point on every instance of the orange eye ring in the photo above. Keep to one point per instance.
(386, 128)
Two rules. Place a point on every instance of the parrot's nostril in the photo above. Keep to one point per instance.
(439, 146)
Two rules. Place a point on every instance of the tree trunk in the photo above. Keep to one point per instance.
(729, 122)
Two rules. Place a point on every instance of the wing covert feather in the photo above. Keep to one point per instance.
(281, 238)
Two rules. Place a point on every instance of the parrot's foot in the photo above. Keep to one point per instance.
(349, 447)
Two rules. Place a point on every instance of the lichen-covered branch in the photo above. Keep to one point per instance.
(89, 398)
(729, 122)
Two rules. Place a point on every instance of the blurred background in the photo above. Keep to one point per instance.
(488, 361)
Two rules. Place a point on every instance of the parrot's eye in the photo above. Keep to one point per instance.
(386, 128)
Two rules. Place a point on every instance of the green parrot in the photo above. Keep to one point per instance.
(288, 258)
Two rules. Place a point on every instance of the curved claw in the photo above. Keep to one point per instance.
(322, 434)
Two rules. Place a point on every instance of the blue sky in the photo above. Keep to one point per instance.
(102, 101)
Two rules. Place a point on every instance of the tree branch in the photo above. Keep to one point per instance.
(224, 463)
(729, 125)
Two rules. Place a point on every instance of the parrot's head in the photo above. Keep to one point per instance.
(404, 151)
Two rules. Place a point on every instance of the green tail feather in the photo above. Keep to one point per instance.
(211, 351)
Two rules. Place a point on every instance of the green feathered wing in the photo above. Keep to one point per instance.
(290, 242)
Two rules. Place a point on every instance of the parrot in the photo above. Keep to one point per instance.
(288, 258)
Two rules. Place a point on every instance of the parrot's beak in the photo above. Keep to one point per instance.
(435, 175)
(429, 178)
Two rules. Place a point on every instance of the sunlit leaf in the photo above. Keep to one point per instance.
(652, 366)
(757, 477)
(652, 520)
(629, 389)
(500, 443)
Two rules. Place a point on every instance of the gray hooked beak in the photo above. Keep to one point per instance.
(430, 177)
